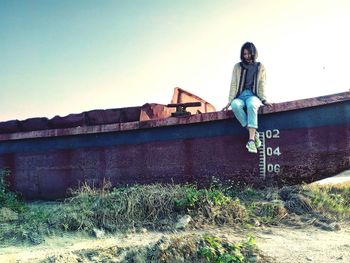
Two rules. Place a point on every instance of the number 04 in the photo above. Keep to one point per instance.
(270, 151)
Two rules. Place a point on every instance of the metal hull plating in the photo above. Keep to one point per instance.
(301, 144)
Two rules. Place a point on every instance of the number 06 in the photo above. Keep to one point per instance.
(273, 168)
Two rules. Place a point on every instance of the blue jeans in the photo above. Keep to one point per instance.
(252, 103)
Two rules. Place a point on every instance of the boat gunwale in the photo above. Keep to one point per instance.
(172, 121)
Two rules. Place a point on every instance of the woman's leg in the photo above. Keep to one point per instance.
(252, 132)
(253, 104)
(237, 106)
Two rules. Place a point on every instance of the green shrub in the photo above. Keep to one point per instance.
(193, 198)
(333, 200)
(218, 250)
(7, 198)
(190, 198)
(30, 225)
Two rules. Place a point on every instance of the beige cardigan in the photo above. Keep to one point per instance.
(236, 86)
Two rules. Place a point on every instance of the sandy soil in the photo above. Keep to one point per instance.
(305, 245)
(284, 244)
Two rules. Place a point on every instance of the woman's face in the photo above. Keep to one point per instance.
(247, 56)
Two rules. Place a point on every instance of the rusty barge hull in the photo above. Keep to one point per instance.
(303, 141)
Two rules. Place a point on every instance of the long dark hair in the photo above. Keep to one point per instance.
(251, 49)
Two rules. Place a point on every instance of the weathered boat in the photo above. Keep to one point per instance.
(302, 141)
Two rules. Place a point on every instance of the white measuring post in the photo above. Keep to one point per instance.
(262, 156)
(268, 155)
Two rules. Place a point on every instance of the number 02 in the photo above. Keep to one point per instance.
(275, 133)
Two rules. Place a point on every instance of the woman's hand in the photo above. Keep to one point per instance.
(268, 104)
(225, 108)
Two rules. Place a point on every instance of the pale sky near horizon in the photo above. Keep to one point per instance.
(68, 56)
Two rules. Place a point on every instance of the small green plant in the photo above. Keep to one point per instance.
(215, 197)
(193, 198)
(190, 198)
(7, 198)
(218, 250)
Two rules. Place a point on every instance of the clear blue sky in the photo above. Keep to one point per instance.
(59, 57)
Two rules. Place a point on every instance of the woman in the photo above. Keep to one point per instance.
(248, 92)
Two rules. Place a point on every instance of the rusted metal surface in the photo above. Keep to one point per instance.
(11, 126)
(181, 108)
(307, 103)
(301, 144)
(149, 111)
(89, 118)
(183, 96)
(153, 111)
(34, 124)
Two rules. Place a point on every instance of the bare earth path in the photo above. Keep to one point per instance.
(305, 245)
(284, 244)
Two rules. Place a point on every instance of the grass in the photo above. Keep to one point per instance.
(31, 225)
(158, 207)
(151, 206)
(9, 199)
(119, 208)
(331, 200)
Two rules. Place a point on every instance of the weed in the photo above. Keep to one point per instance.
(247, 193)
(331, 200)
(120, 208)
(219, 250)
(215, 197)
(193, 198)
(268, 212)
(190, 198)
(31, 225)
(7, 198)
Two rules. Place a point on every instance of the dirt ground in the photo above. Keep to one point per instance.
(305, 245)
(283, 244)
